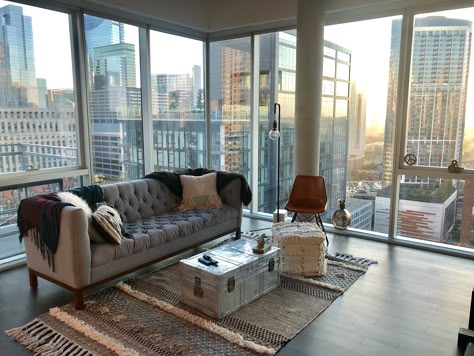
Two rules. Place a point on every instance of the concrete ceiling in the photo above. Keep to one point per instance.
(211, 16)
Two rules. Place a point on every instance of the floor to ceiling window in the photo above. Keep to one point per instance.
(277, 67)
(436, 201)
(360, 73)
(38, 124)
(347, 82)
(373, 116)
(230, 104)
(114, 99)
(39, 130)
(178, 102)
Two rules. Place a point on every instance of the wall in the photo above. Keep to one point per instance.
(227, 14)
(232, 14)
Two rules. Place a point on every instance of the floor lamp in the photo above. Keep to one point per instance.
(274, 135)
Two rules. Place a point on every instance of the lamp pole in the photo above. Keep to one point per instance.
(274, 135)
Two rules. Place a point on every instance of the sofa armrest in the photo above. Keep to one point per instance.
(73, 255)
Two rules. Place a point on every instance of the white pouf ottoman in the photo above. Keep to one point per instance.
(302, 248)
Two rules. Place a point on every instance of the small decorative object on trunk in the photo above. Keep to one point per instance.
(261, 247)
(341, 217)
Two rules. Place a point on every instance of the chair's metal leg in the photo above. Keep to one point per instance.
(320, 222)
(294, 217)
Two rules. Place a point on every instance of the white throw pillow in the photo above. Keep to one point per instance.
(199, 192)
(73, 199)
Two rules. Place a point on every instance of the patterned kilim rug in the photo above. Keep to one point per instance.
(144, 316)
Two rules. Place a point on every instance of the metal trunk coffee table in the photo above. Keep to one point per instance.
(239, 277)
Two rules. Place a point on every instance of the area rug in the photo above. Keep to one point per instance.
(345, 257)
(144, 316)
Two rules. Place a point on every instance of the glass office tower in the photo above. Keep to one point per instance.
(18, 86)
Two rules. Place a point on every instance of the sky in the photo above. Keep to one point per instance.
(369, 43)
(53, 48)
(368, 40)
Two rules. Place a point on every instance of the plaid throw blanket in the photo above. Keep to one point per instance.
(42, 216)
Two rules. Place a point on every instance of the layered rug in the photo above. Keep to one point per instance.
(144, 316)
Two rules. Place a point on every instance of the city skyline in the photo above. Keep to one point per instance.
(57, 72)
(438, 90)
(353, 38)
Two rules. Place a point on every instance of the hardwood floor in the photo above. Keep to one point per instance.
(411, 303)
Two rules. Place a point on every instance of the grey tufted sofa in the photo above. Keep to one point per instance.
(154, 231)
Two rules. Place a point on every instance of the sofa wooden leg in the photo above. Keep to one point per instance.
(238, 233)
(33, 278)
(79, 300)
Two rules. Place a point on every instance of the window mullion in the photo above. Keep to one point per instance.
(254, 119)
(401, 116)
(81, 83)
(147, 119)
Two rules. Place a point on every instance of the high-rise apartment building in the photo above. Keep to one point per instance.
(114, 66)
(334, 128)
(37, 138)
(174, 92)
(438, 89)
(198, 90)
(18, 86)
(102, 32)
(357, 126)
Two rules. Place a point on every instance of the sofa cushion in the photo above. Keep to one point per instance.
(160, 229)
(199, 192)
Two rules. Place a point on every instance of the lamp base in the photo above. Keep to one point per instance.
(283, 214)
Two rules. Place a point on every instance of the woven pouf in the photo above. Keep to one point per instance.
(302, 248)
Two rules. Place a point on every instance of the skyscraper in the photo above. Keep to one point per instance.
(434, 128)
(438, 89)
(356, 131)
(174, 92)
(114, 65)
(18, 86)
(115, 101)
(102, 32)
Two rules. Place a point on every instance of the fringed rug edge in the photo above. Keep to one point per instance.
(39, 338)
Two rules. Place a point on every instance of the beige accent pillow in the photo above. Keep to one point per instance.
(108, 223)
(199, 192)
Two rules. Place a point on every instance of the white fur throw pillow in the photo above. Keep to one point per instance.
(199, 192)
(108, 223)
(73, 199)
